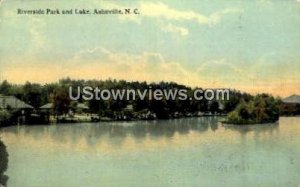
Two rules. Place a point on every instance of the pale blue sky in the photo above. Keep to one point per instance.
(248, 45)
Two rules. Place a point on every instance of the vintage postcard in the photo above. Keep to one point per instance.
(156, 93)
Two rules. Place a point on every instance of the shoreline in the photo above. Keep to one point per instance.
(107, 120)
(248, 124)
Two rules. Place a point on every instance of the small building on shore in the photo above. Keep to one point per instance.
(290, 106)
(79, 107)
(11, 102)
(17, 109)
(46, 107)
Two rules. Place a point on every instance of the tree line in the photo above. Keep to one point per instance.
(58, 94)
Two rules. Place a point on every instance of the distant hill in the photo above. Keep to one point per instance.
(292, 99)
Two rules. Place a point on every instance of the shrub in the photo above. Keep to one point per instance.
(4, 115)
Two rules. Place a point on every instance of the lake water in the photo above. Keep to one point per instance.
(181, 152)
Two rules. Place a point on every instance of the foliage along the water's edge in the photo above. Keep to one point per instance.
(3, 163)
(260, 109)
(57, 93)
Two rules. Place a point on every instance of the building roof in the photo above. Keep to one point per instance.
(292, 99)
(47, 106)
(13, 102)
(50, 106)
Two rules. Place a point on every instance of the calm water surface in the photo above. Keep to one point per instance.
(183, 152)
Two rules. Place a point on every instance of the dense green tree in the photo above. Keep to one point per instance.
(261, 109)
(5, 87)
(33, 94)
(61, 101)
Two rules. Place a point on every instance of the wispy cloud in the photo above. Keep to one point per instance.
(170, 16)
(217, 16)
(161, 10)
(175, 29)
(155, 10)
(147, 66)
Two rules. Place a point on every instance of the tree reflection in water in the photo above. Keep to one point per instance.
(3, 164)
(116, 132)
